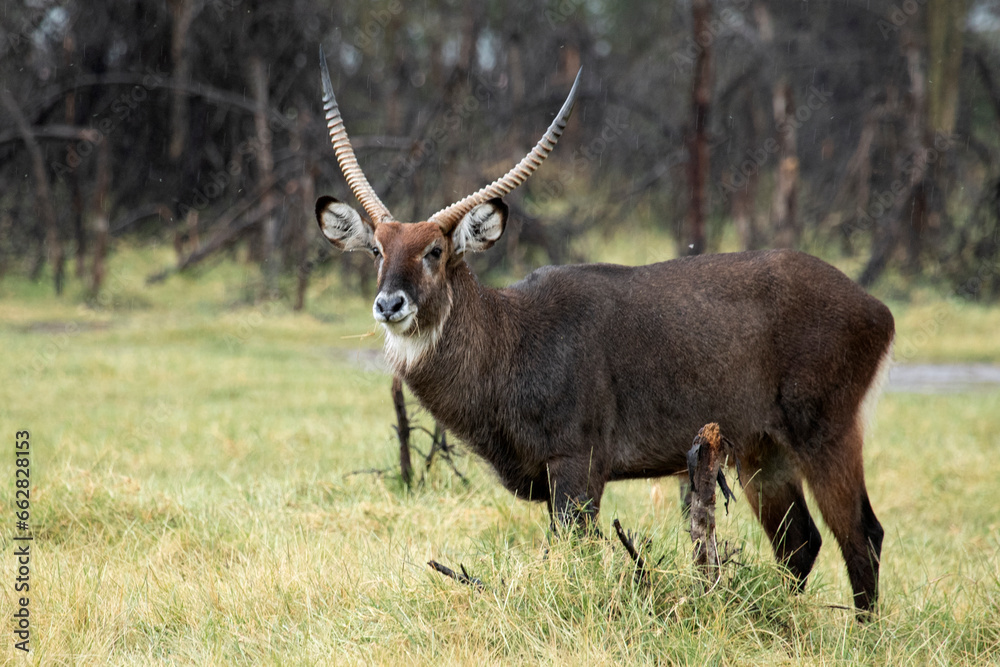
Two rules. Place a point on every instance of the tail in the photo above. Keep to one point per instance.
(874, 393)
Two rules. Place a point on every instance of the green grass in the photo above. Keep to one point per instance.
(193, 502)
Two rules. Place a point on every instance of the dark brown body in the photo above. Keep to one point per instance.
(581, 375)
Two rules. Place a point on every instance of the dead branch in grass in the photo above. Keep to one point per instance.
(641, 573)
(461, 577)
(705, 459)
(402, 431)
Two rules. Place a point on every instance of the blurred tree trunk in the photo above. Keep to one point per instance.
(265, 172)
(932, 111)
(989, 84)
(855, 189)
(6, 229)
(918, 143)
(701, 96)
(307, 197)
(182, 12)
(515, 74)
(744, 205)
(906, 205)
(783, 220)
(945, 36)
(99, 215)
(79, 231)
(458, 180)
(945, 29)
(194, 239)
(43, 194)
(747, 220)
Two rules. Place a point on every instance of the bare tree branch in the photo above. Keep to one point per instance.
(43, 195)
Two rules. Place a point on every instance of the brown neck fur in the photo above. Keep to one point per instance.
(477, 341)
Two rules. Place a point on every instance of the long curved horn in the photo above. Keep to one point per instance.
(362, 189)
(449, 217)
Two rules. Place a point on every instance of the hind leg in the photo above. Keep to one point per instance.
(836, 477)
(773, 487)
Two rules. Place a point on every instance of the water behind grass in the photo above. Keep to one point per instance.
(943, 378)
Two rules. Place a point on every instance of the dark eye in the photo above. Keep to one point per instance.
(376, 253)
(435, 253)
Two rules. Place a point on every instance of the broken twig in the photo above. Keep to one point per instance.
(378, 472)
(461, 577)
(439, 443)
(641, 573)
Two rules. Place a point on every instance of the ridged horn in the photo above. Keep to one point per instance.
(449, 217)
(362, 189)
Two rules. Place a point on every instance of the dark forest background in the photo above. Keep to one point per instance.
(866, 128)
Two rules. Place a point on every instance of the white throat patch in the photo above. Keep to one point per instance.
(404, 352)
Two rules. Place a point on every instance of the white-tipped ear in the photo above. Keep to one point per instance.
(480, 228)
(342, 225)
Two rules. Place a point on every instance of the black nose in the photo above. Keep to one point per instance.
(389, 305)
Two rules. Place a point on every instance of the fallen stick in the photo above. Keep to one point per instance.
(641, 574)
(461, 577)
(368, 471)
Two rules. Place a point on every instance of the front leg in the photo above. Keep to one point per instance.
(574, 495)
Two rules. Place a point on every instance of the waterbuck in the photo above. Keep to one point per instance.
(581, 375)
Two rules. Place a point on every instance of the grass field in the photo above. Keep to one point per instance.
(193, 502)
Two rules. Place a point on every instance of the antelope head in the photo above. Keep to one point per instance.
(416, 261)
